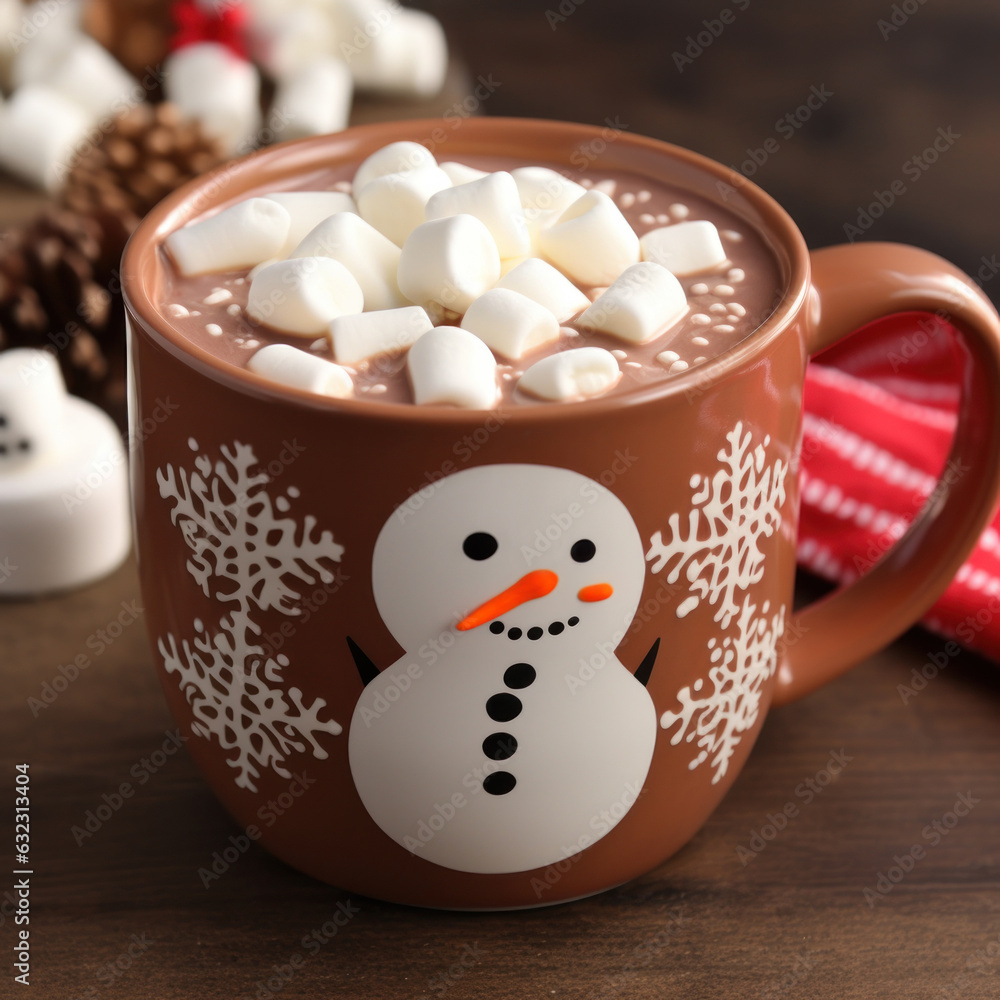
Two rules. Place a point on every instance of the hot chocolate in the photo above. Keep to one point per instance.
(723, 275)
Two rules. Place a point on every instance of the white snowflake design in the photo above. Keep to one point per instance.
(742, 663)
(253, 558)
(730, 513)
(720, 553)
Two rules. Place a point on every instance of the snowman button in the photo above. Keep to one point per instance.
(499, 782)
(503, 707)
(518, 676)
(499, 746)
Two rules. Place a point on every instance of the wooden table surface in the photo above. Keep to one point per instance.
(746, 909)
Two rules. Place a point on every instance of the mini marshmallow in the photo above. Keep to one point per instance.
(366, 335)
(240, 236)
(90, 76)
(510, 323)
(448, 261)
(364, 251)
(639, 305)
(459, 173)
(307, 209)
(290, 366)
(396, 158)
(303, 295)
(213, 85)
(545, 194)
(408, 56)
(316, 99)
(394, 204)
(685, 248)
(591, 241)
(291, 38)
(449, 365)
(570, 375)
(493, 200)
(546, 286)
(40, 132)
(38, 57)
(64, 507)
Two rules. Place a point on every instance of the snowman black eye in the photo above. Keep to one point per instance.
(480, 545)
(583, 550)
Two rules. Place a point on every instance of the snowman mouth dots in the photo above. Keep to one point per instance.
(473, 284)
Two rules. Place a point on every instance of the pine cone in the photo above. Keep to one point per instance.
(147, 153)
(136, 32)
(56, 281)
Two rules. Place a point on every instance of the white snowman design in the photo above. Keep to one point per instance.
(509, 736)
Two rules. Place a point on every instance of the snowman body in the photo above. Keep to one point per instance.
(510, 738)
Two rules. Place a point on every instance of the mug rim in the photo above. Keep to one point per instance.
(233, 180)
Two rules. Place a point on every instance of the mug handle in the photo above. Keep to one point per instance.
(852, 285)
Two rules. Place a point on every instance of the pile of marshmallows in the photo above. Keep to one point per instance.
(64, 83)
(65, 88)
(420, 247)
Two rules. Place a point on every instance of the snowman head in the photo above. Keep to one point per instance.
(511, 552)
(32, 418)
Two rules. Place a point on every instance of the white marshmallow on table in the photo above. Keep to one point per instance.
(213, 85)
(42, 36)
(394, 204)
(40, 132)
(545, 194)
(685, 247)
(460, 173)
(569, 375)
(307, 209)
(395, 158)
(303, 295)
(449, 365)
(591, 241)
(448, 261)
(493, 200)
(291, 37)
(316, 99)
(510, 323)
(407, 56)
(240, 236)
(546, 286)
(366, 335)
(64, 507)
(299, 369)
(371, 257)
(89, 75)
(639, 305)
(32, 409)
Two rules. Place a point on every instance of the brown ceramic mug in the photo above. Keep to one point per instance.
(318, 573)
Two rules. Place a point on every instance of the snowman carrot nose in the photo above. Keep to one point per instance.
(595, 592)
(535, 584)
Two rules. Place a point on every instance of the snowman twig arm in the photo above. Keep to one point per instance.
(366, 668)
(646, 667)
